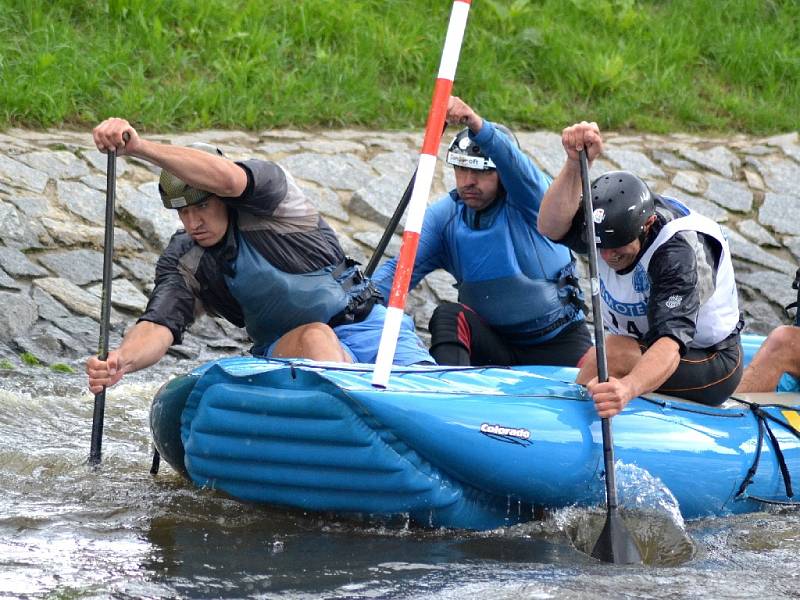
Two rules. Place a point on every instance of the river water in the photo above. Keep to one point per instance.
(70, 531)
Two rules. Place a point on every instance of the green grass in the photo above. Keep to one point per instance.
(654, 65)
(29, 359)
(61, 368)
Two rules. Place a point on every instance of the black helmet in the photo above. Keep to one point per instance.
(176, 193)
(622, 204)
(463, 152)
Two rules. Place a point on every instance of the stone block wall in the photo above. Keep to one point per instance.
(52, 206)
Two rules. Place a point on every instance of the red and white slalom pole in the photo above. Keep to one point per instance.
(421, 192)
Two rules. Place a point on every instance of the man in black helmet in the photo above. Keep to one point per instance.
(518, 295)
(666, 283)
(253, 250)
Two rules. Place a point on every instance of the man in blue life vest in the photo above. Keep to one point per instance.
(666, 283)
(253, 250)
(518, 295)
(776, 365)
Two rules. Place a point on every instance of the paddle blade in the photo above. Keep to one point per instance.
(615, 544)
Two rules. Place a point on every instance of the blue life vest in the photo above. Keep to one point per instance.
(275, 302)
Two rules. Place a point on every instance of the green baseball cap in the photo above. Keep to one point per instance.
(176, 193)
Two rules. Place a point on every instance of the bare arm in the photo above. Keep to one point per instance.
(563, 198)
(655, 367)
(199, 169)
(144, 345)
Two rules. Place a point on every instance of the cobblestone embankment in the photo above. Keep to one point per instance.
(52, 203)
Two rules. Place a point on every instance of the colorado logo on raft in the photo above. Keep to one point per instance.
(506, 434)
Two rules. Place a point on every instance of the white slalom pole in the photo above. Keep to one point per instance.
(421, 192)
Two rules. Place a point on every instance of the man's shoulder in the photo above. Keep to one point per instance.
(267, 186)
(675, 255)
(442, 210)
(262, 170)
(446, 204)
(180, 239)
(255, 161)
(683, 232)
(179, 244)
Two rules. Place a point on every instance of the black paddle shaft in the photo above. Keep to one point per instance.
(599, 333)
(615, 544)
(390, 228)
(105, 306)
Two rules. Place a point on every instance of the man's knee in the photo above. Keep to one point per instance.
(623, 353)
(448, 324)
(446, 312)
(314, 335)
(783, 345)
(785, 337)
(313, 340)
(588, 356)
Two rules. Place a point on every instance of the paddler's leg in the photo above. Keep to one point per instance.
(451, 334)
(779, 354)
(706, 376)
(622, 353)
(460, 337)
(566, 349)
(362, 338)
(316, 341)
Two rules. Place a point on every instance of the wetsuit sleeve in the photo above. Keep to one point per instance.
(674, 293)
(266, 187)
(430, 252)
(524, 182)
(172, 303)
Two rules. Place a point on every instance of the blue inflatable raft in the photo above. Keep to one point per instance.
(469, 448)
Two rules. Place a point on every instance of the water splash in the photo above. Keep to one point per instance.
(639, 490)
(650, 512)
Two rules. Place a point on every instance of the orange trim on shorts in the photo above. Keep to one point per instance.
(713, 383)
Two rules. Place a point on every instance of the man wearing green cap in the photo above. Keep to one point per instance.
(253, 250)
